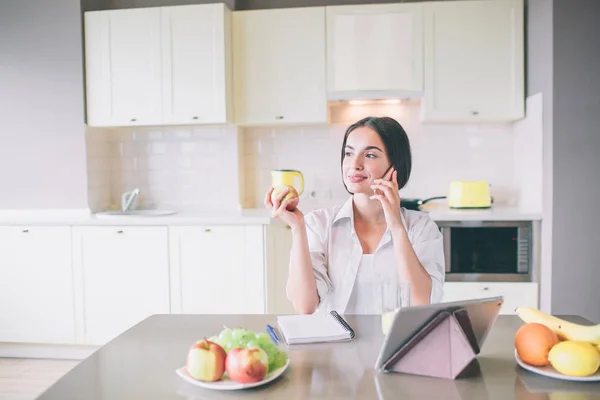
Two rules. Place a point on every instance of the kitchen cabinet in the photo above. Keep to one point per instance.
(122, 277)
(123, 67)
(196, 64)
(278, 246)
(374, 50)
(158, 65)
(36, 285)
(279, 66)
(474, 61)
(217, 269)
(515, 294)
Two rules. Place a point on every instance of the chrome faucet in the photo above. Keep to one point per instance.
(127, 199)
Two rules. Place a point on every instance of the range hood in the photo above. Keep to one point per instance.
(374, 95)
(344, 112)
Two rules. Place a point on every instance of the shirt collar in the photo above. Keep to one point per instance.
(347, 211)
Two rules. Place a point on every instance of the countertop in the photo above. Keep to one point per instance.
(441, 212)
(85, 218)
(257, 216)
(141, 364)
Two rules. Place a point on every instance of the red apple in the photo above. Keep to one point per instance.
(292, 194)
(206, 361)
(247, 365)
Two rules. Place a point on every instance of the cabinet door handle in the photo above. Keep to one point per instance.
(25, 230)
(207, 230)
(279, 117)
(486, 288)
(194, 117)
(119, 232)
(133, 119)
(474, 112)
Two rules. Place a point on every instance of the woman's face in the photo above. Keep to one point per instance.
(365, 159)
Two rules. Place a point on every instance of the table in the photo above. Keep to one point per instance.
(141, 363)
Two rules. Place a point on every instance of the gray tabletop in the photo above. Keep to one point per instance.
(141, 364)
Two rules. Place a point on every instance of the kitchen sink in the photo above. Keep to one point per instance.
(134, 213)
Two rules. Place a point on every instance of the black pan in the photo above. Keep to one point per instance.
(415, 204)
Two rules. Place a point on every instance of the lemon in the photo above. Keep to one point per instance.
(386, 321)
(574, 358)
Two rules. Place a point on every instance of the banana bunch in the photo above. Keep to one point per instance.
(565, 330)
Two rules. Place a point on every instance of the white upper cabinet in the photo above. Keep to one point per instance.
(474, 61)
(154, 66)
(123, 67)
(279, 66)
(204, 64)
(196, 64)
(374, 50)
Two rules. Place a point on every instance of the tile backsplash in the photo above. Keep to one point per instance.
(441, 153)
(315, 151)
(181, 168)
(225, 168)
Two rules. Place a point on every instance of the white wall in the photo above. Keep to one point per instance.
(42, 138)
(540, 81)
(575, 161)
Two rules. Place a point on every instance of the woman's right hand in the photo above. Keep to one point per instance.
(279, 209)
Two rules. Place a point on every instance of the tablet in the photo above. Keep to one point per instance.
(408, 322)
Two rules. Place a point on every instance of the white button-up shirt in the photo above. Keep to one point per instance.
(336, 252)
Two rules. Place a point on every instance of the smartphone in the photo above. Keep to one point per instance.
(383, 177)
(386, 172)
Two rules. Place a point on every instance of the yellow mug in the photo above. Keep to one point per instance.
(286, 177)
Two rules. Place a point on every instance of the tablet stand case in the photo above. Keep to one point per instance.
(442, 348)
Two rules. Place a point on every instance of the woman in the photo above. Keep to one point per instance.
(340, 254)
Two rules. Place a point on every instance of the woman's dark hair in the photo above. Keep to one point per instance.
(396, 144)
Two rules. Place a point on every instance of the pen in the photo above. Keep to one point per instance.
(272, 333)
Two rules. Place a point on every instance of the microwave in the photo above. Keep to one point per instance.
(490, 251)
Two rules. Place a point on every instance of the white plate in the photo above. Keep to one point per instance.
(549, 371)
(227, 384)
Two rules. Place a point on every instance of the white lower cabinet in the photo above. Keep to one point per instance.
(36, 285)
(87, 285)
(122, 277)
(278, 246)
(217, 269)
(515, 293)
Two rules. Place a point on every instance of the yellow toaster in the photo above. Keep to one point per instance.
(469, 194)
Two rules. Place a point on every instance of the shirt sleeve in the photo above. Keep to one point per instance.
(429, 248)
(316, 232)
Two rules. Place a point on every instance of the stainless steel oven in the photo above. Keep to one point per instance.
(490, 251)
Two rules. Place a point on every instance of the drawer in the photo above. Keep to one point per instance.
(515, 293)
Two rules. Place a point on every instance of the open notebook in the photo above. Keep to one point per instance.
(314, 328)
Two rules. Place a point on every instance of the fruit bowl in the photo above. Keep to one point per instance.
(227, 384)
(550, 372)
(235, 358)
(557, 348)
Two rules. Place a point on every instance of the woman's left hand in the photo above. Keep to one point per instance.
(389, 199)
